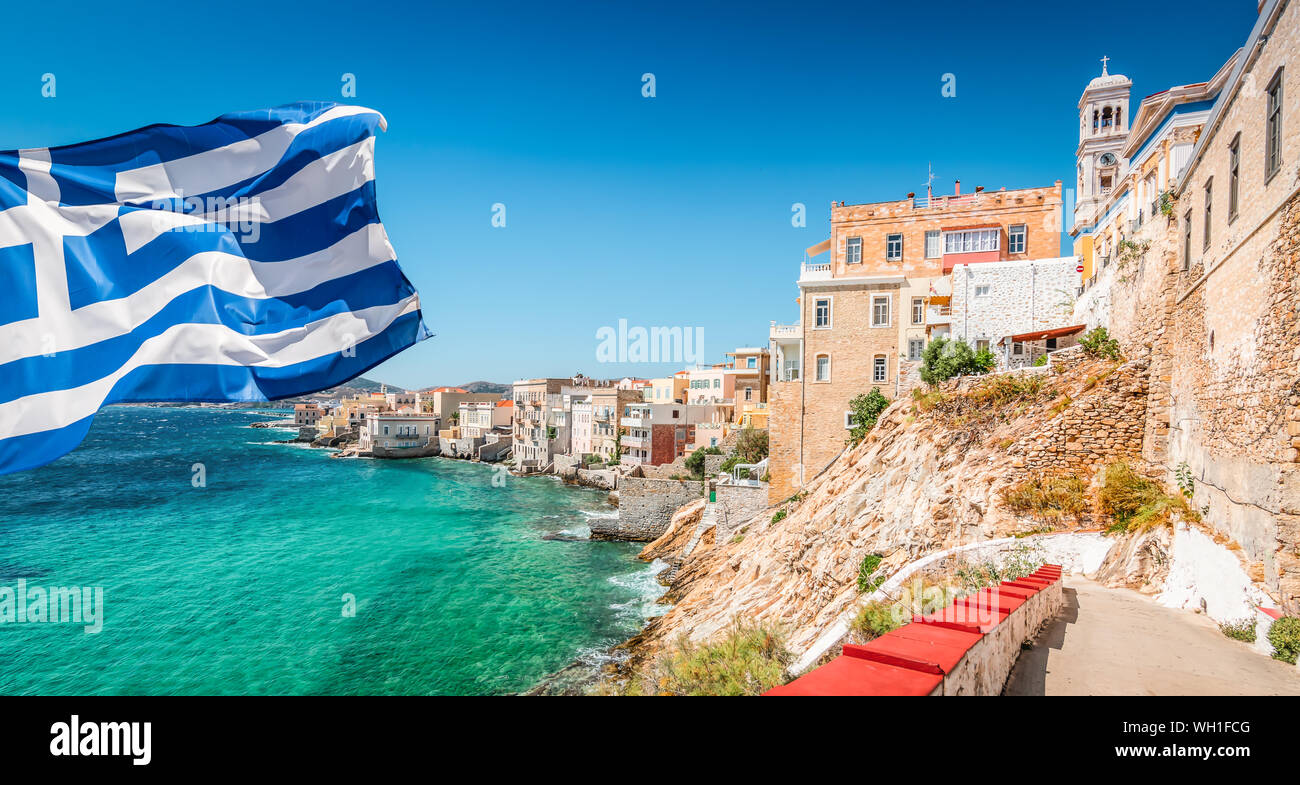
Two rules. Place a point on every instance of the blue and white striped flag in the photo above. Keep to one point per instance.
(240, 260)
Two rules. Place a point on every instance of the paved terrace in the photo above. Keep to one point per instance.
(1118, 642)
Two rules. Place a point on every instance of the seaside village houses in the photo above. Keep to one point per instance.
(1185, 246)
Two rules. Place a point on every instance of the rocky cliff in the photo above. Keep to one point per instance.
(928, 477)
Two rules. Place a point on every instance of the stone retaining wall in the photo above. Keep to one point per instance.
(645, 507)
(737, 505)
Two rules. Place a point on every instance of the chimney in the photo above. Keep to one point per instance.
(958, 188)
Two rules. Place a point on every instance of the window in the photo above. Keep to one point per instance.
(915, 346)
(918, 310)
(982, 345)
(853, 251)
(1018, 349)
(1017, 238)
(717, 383)
(879, 369)
(1234, 175)
(880, 310)
(971, 241)
(933, 245)
(893, 247)
(822, 313)
(749, 393)
(849, 422)
(1209, 185)
(751, 362)
(1051, 344)
(1273, 129)
(823, 368)
(982, 290)
(1187, 241)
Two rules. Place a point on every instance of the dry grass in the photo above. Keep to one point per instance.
(1139, 503)
(1048, 497)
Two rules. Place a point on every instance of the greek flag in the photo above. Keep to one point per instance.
(239, 260)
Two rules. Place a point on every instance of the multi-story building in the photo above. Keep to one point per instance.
(307, 415)
(536, 435)
(479, 418)
(606, 409)
(580, 419)
(865, 310)
(669, 389)
(654, 433)
(391, 435)
(753, 366)
(445, 401)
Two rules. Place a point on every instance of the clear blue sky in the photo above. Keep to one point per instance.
(666, 211)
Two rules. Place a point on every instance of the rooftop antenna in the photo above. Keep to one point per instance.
(929, 183)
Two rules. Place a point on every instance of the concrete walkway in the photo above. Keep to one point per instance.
(1119, 642)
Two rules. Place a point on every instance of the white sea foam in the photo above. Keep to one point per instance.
(646, 590)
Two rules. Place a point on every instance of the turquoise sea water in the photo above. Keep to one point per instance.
(237, 587)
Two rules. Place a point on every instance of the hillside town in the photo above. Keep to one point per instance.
(1170, 200)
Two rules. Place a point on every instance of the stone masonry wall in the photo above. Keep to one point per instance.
(1104, 425)
(736, 505)
(645, 507)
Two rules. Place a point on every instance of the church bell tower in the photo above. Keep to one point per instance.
(1103, 132)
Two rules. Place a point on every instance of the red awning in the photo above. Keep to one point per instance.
(1042, 335)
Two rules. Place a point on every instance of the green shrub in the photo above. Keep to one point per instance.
(750, 660)
(1098, 343)
(870, 563)
(779, 516)
(866, 409)
(695, 461)
(1243, 630)
(943, 359)
(1285, 637)
(1040, 361)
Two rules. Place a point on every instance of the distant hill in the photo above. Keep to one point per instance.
(487, 387)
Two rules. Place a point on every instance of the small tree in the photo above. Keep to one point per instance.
(866, 409)
(695, 461)
(944, 359)
(1098, 343)
(751, 445)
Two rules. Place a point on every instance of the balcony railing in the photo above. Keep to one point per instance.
(635, 422)
(815, 272)
(938, 314)
(787, 331)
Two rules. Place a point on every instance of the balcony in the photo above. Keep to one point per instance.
(635, 421)
(790, 373)
(815, 272)
(785, 333)
(635, 441)
(938, 314)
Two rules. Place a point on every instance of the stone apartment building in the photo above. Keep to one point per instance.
(1213, 296)
(391, 435)
(866, 308)
(306, 415)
